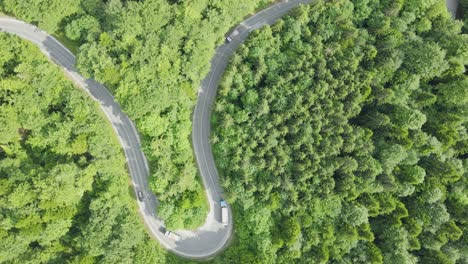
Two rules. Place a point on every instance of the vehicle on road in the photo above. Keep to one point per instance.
(224, 213)
(232, 36)
(212, 239)
(172, 235)
(140, 196)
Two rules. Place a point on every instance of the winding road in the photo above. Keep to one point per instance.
(212, 237)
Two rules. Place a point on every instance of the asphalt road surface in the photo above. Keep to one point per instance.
(212, 237)
(452, 6)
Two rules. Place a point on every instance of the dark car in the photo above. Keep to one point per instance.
(140, 196)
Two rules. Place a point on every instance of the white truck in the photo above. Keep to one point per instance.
(224, 213)
(232, 35)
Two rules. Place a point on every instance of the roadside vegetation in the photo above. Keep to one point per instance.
(340, 135)
(463, 12)
(152, 55)
(64, 187)
(340, 132)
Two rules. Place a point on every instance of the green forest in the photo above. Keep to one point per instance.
(340, 136)
(152, 55)
(64, 188)
(339, 132)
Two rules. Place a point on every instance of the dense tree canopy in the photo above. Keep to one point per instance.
(64, 192)
(340, 132)
(153, 55)
(340, 135)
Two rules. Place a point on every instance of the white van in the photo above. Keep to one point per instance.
(172, 235)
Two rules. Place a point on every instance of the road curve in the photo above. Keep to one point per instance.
(202, 114)
(212, 237)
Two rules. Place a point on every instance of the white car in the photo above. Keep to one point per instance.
(172, 235)
(232, 36)
(140, 196)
